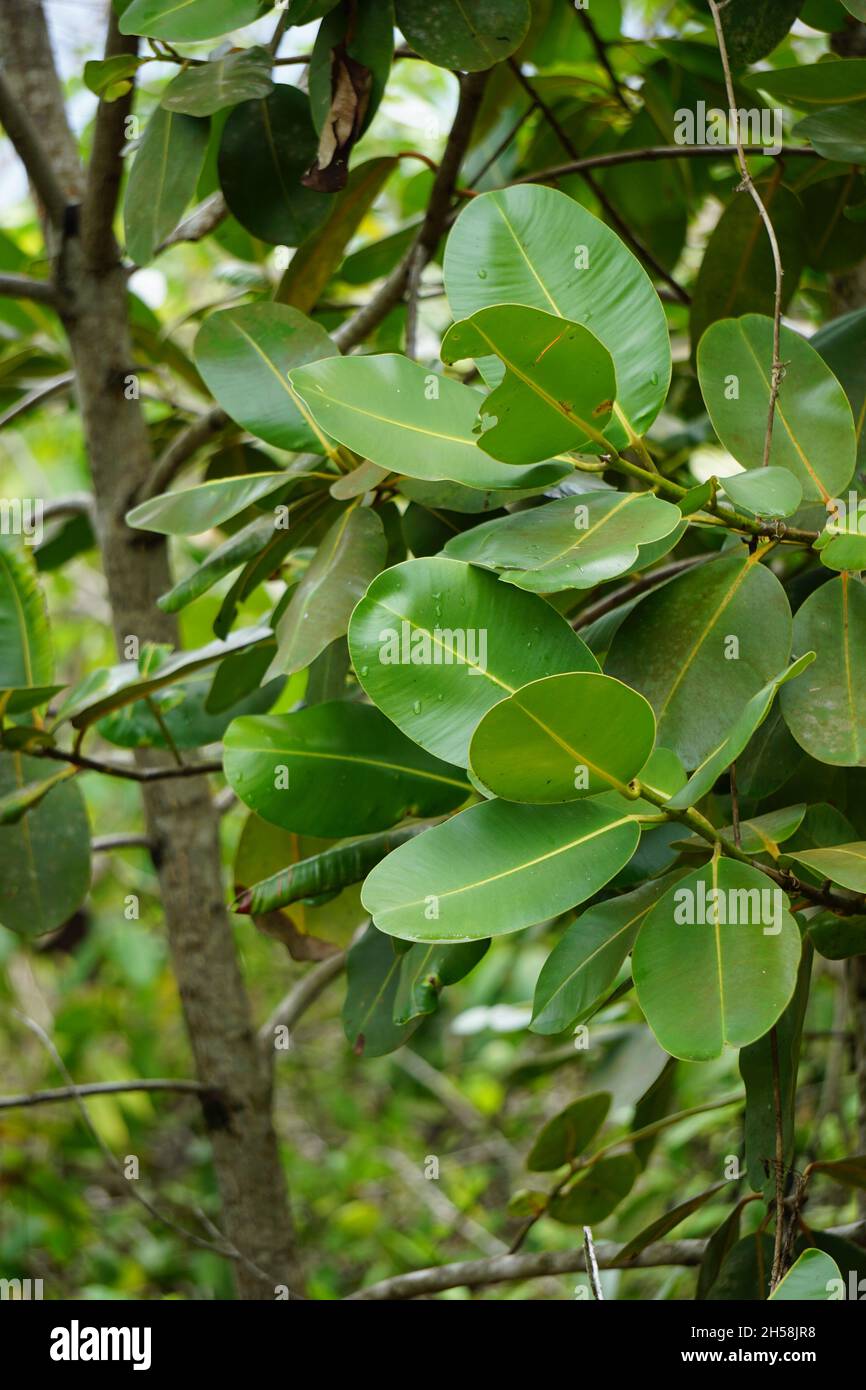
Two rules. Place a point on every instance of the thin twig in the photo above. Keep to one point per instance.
(651, 153)
(592, 1264)
(123, 770)
(300, 998)
(102, 844)
(101, 1088)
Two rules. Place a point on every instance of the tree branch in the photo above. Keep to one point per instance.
(128, 772)
(650, 154)
(106, 166)
(100, 1088)
(25, 287)
(28, 145)
(300, 998)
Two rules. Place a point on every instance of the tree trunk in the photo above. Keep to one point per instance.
(181, 819)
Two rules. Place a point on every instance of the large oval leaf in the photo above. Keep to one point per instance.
(45, 856)
(467, 34)
(597, 1192)
(245, 356)
(535, 246)
(435, 643)
(813, 1278)
(497, 868)
(826, 711)
(335, 769)
(559, 386)
(226, 79)
(266, 147)
(842, 864)
(564, 1138)
(563, 737)
(25, 639)
(716, 961)
(814, 434)
(187, 20)
(164, 175)
(570, 543)
(701, 646)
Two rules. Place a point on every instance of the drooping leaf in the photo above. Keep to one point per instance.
(826, 711)
(347, 76)
(705, 984)
(851, 1171)
(435, 643)
(570, 543)
(192, 510)
(335, 769)
(497, 868)
(162, 181)
(109, 78)
(701, 646)
(813, 434)
(226, 79)
(565, 1137)
(426, 970)
(535, 246)
(45, 855)
(559, 386)
(373, 974)
(187, 21)
(325, 872)
(240, 548)
(467, 34)
(266, 147)
(25, 640)
(563, 737)
(597, 1193)
(245, 356)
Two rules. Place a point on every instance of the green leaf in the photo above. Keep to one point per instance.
(842, 344)
(563, 737)
(701, 646)
(373, 974)
(20, 699)
(366, 29)
(226, 79)
(841, 864)
(559, 386)
(234, 552)
(704, 986)
(26, 659)
(564, 1138)
(108, 78)
(719, 1246)
(760, 834)
(315, 261)
(745, 1272)
(597, 1193)
(827, 712)
(752, 717)
(752, 31)
(850, 1171)
(842, 545)
(837, 133)
(468, 34)
(45, 856)
(162, 181)
(668, 1222)
(192, 510)
(435, 643)
(245, 356)
(347, 560)
(571, 543)
(187, 21)
(830, 83)
(837, 938)
(15, 804)
(265, 149)
(765, 492)
(497, 868)
(813, 1277)
(326, 872)
(758, 1070)
(737, 274)
(426, 970)
(814, 434)
(586, 960)
(335, 769)
(535, 246)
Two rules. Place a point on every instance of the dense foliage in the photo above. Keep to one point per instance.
(503, 371)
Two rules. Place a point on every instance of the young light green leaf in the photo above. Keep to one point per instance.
(426, 970)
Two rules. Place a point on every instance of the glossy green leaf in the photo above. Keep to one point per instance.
(373, 974)
(265, 149)
(468, 34)
(497, 868)
(586, 960)
(835, 82)
(752, 717)
(565, 1137)
(187, 20)
(435, 643)
(46, 855)
(837, 938)
(765, 491)
(813, 1277)
(570, 543)
(826, 712)
(597, 1193)
(559, 387)
(760, 834)
(335, 769)
(25, 640)
(226, 79)
(109, 78)
(347, 560)
(191, 510)
(20, 699)
(837, 133)
(245, 356)
(701, 646)
(535, 246)
(842, 546)
(563, 737)
(162, 181)
(842, 344)
(425, 970)
(704, 984)
(841, 864)
(813, 436)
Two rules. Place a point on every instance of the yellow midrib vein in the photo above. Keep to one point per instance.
(363, 762)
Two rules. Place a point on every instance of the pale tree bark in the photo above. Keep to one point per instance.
(181, 820)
